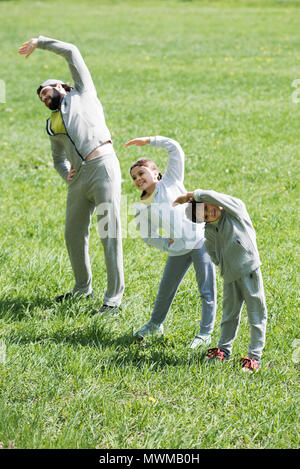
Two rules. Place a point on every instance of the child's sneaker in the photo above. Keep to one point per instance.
(215, 353)
(200, 340)
(249, 364)
(150, 328)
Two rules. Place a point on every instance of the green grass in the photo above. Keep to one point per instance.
(217, 77)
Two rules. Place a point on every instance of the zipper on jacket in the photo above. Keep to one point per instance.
(49, 132)
(70, 137)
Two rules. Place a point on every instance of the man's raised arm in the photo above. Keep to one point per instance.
(79, 71)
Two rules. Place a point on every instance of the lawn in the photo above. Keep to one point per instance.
(217, 77)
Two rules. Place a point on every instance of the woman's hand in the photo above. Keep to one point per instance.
(28, 47)
(139, 142)
(183, 199)
(71, 174)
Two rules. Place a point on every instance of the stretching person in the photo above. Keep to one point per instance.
(84, 156)
(231, 243)
(185, 245)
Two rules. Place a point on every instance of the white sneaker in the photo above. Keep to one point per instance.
(150, 328)
(200, 341)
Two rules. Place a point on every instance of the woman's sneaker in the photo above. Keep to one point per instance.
(150, 328)
(249, 364)
(200, 340)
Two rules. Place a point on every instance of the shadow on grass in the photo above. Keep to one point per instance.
(121, 350)
(125, 350)
(98, 333)
(17, 308)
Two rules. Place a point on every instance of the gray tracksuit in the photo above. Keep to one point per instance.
(188, 247)
(96, 182)
(231, 244)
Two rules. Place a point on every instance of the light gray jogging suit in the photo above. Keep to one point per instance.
(97, 181)
(188, 247)
(231, 244)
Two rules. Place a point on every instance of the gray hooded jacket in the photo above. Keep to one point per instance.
(81, 112)
(231, 242)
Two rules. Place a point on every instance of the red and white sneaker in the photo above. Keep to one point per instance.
(249, 364)
(215, 353)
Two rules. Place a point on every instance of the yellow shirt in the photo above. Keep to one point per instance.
(149, 200)
(57, 125)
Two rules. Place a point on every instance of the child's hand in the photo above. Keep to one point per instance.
(28, 47)
(138, 141)
(183, 199)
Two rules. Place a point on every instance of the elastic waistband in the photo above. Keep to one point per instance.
(106, 150)
(98, 150)
(100, 159)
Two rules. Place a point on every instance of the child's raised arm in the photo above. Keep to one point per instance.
(175, 167)
(183, 199)
(233, 205)
(139, 142)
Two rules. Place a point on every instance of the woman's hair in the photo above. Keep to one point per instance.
(149, 164)
(64, 85)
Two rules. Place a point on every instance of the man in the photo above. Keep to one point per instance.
(84, 156)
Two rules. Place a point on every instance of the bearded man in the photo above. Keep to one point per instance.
(84, 156)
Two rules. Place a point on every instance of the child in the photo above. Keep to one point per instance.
(231, 243)
(184, 244)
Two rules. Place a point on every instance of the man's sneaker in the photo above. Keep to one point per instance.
(215, 353)
(70, 295)
(200, 341)
(150, 328)
(249, 364)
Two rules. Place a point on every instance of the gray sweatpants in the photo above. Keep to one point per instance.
(248, 289)
(175, 269)
(96, 184)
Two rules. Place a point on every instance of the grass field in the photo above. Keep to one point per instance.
(217, 77)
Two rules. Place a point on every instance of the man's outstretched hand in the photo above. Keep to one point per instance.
(28, 47)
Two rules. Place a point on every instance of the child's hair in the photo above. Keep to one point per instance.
(149, 164)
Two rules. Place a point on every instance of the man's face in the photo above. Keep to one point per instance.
(52, 96)
(211, 212)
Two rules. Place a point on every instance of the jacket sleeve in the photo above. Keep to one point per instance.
(175, 167)
(210, 247)
(79, 71)
(232, 205)
(159, 242)
(149, 231)
(61, 164)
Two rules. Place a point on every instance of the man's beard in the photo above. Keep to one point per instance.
(55, 100)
